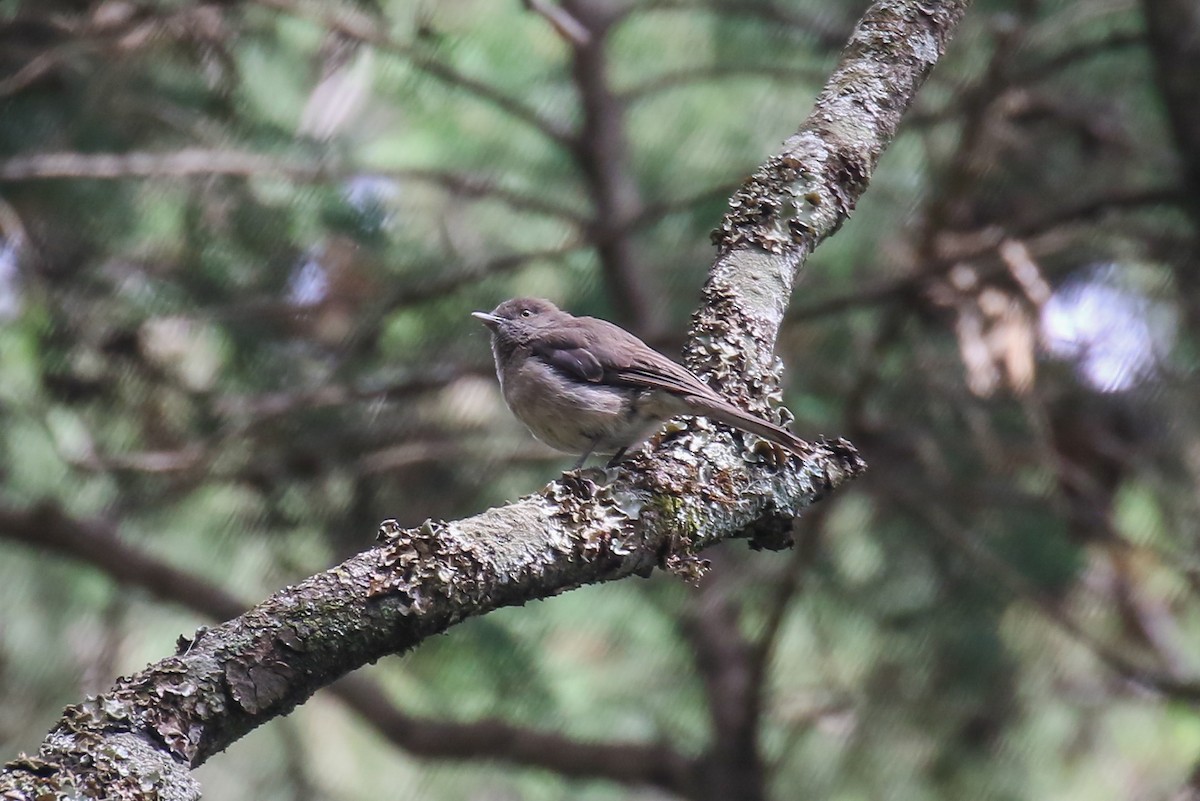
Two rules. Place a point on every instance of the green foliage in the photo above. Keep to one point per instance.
(246, 363)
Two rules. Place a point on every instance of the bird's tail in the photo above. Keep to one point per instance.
(731, 415)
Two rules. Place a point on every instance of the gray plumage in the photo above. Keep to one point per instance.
(584, 385)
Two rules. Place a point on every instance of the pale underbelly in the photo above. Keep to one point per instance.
(576, 417)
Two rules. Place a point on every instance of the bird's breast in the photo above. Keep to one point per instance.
(572, 415)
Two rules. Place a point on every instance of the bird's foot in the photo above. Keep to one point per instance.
(616, 459)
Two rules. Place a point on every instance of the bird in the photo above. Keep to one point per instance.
(583, 385)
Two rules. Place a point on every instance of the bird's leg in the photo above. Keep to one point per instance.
(588, 453)
(616, 458)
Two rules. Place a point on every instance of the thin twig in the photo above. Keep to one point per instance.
(828, 34)
(1025, 75)
(652, 213)
(202, 162)
(942, 523)
(500, 265)
(695, 76)
(415, 453)
(561, 21)
(274, 404)
(372, 31)
(1084, 211)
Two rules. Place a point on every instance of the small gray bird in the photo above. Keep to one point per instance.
(584, 385)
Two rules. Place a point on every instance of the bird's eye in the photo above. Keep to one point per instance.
(526, 312)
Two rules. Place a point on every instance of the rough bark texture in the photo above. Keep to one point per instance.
(232, 678)
(692, 490)
(804, 193)
(99, 546)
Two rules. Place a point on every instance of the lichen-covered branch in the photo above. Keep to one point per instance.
(178, 712)
(98, 545)
(805, 192)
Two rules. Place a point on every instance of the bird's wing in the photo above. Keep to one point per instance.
(627, 360)
(567, 348)
(602, 352)
(577, 362)
(672, 378)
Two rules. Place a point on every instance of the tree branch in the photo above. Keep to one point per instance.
(441, 451)
(267, 406)
(182, 710)
(1174, 33)
(405, 297)
(649, 764)
(805, 193)
(97, 545)
(652, 213)
(1173, 29)
(732, 768)
(1023, 74)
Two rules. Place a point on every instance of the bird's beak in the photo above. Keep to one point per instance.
(490, 320)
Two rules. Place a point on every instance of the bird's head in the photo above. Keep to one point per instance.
(515, 321)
